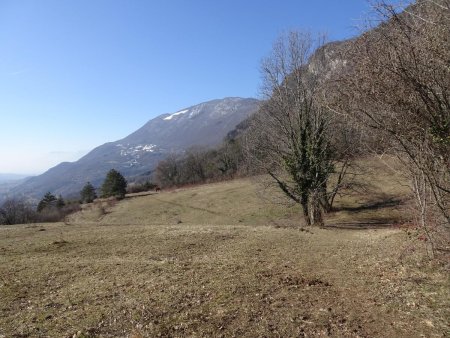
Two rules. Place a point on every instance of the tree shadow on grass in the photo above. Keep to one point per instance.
(363, 225)
(369, 206)
(379, 215)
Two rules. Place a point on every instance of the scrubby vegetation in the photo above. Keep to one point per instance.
(17, 211)
(398, 88)
(135, 187)
(198, 165)
(55, 209)
(49, 209)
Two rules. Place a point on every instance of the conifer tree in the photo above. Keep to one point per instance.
(114, 185)
(88, 194)
(47, 201)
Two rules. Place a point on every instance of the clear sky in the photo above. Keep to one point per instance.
(75, 74)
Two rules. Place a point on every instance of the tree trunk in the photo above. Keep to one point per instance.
(305, 207)
(315, 210)
(324, 201)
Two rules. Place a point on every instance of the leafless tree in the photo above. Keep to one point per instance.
(168, 171)
(398, 84)
(193, 166)
(291, 136)
(16, 211)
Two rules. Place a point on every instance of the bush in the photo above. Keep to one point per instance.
(136, 187)
(49, 215)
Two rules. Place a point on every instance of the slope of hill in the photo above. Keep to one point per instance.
(253, 203)
(205, 125)
(221, 260)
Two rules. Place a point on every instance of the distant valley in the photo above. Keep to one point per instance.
(7, 178)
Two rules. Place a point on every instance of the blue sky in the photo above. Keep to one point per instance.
(75, 74)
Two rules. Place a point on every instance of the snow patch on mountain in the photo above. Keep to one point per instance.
(136, 150)
(131, 163)
(195, 111)
(175, 114)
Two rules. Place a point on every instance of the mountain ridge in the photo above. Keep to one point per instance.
(205, 124)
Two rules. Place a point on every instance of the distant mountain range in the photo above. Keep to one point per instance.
(205, 124)
(8, 182)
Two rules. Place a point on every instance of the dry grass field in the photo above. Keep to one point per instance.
(222, 261)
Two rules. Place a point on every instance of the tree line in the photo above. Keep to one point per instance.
(197, 165)
(54, 209)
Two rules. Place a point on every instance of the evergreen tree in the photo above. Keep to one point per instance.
(114, 185)
(88, 194)
(49, 200)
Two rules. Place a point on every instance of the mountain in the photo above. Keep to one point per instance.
(205, 124)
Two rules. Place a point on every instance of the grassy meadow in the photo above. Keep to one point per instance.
(225, 260)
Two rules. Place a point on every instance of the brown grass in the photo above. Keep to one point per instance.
(218, 261)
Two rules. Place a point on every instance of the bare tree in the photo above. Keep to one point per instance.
(168, 171)
(229, 157)
(193, 166)
(291, 136)
(398, 84)
(16, 211)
